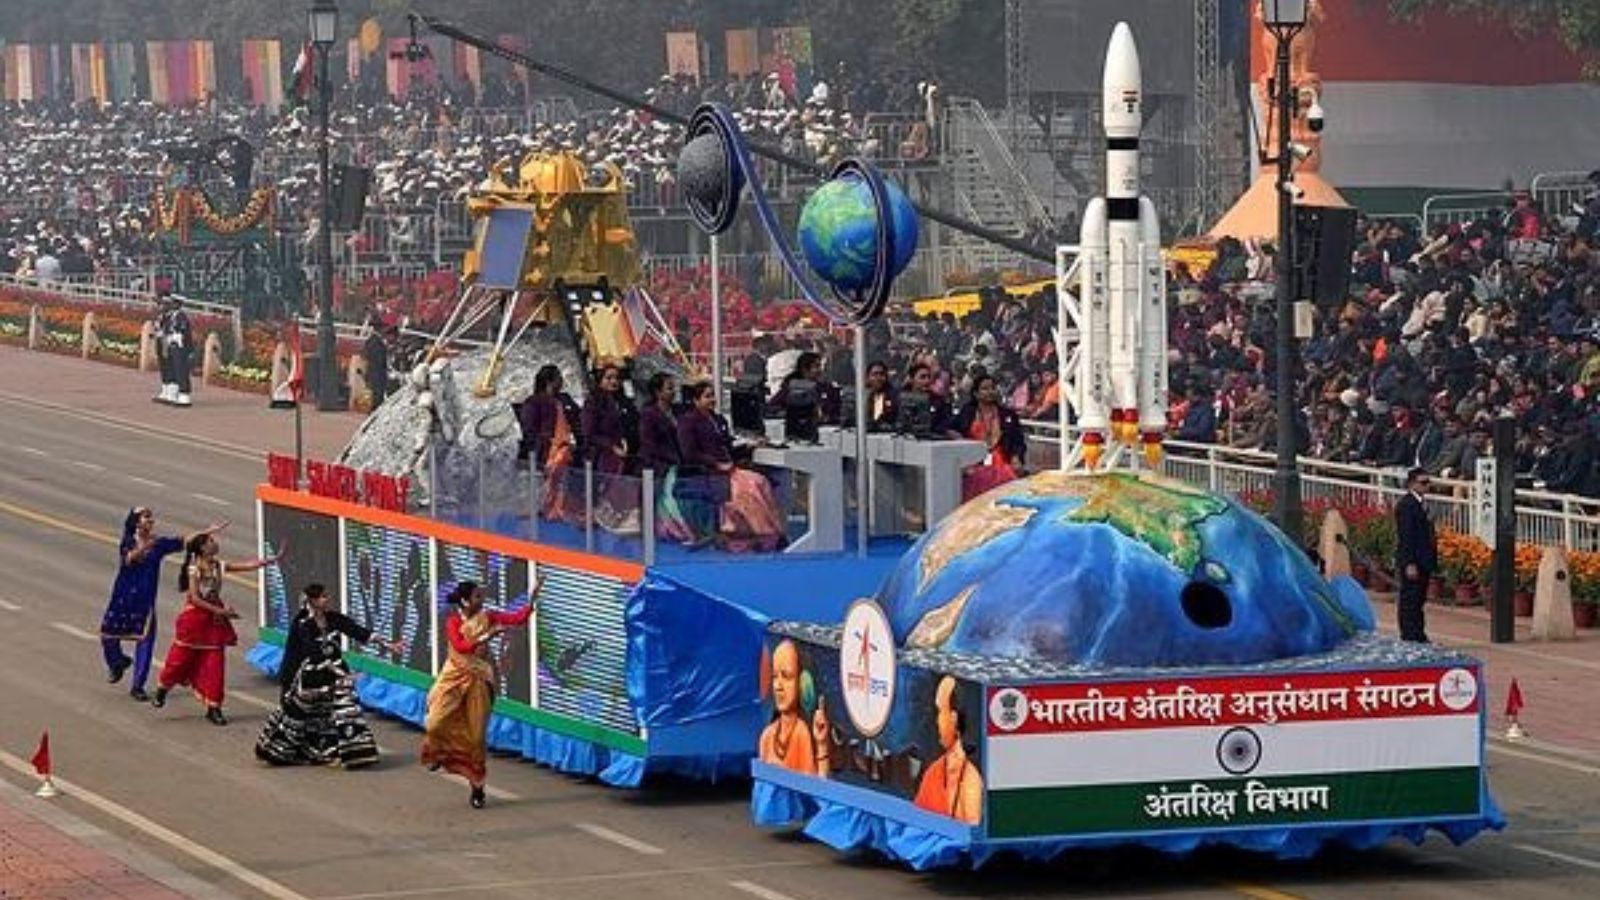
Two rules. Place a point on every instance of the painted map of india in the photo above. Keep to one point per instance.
(1164, 518)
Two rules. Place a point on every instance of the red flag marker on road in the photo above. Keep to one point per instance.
(41, 765)
(1514, 731)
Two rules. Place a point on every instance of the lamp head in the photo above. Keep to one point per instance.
(323, 19)
(1285, 14)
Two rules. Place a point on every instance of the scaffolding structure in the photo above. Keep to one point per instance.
(1210, 197)
(1193, 151)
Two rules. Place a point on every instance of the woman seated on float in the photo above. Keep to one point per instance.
(749, 516)
(883, 401)
(678, 517)
(606, 413)
(550, 440)
(986, 418)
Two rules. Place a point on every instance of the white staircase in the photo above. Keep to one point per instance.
(989, 185)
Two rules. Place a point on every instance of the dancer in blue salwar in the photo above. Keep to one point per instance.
(131, 614)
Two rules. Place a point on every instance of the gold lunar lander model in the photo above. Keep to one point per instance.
(553, 240)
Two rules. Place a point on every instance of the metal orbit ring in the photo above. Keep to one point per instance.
(716, 216)
(713, 119)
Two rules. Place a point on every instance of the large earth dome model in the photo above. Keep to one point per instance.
(1116, 570)
(839, 232)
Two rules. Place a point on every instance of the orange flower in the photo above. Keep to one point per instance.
(1463, 558)
(1584, 567)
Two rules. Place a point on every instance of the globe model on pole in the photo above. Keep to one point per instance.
(839, 233)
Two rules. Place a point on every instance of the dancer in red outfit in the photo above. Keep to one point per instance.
(204, 630)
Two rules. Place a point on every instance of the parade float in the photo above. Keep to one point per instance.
(1081, 658)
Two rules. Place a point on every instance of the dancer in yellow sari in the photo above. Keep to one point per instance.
(457, 724)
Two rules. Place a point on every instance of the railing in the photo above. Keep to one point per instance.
(1451, 209)
(903, 139)
(1410, 218)
(1557, 192)
(88, 290)
(343, 331)
(1543, 519)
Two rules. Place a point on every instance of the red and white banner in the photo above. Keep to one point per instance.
(1445, 101)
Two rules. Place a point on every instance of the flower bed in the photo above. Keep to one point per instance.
(247, 366)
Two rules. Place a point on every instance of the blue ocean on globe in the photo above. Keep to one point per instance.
(1116, 570)
(839, 232)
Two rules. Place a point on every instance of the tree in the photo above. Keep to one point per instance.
(1577, 22)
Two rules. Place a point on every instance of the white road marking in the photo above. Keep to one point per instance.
(8, 606)
(205, 855)
(177, 437)
(147, 482)
(1570, 860)
(1547, 760)
(93, 467)
(75, 631)
(491, 790)
(756, 890)
(478, 889)
(618, 838)
(207, 498)
(32, 451)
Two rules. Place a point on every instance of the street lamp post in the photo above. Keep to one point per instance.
(1285, 19)
(324, 24)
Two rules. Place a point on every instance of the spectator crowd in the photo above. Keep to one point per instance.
(77, 179)
(1441, 332)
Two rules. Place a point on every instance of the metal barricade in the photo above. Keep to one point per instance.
(1557, 193)
(1543, 519)
(1451, 209)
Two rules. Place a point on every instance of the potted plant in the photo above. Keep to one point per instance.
(1584, 568)
(1525, 570)
(1463, 559)
(1373, 539)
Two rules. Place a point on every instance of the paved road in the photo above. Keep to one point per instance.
(190, 795)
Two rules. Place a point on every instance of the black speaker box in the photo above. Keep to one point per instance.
(349, 196)
(1325, 236)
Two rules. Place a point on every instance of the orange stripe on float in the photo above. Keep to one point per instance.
(453, 534)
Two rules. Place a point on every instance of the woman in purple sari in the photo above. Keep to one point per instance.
(605, 429)
(750, 519)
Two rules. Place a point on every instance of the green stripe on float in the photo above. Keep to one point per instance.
(552, 722)
(1352, 797)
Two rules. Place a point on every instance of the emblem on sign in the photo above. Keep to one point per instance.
(867, 667)
(1239, 751)
(1457, 689)
(1008, 709)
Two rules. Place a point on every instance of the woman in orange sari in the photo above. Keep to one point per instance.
(457, 723)
(986, 419)
(551, 442)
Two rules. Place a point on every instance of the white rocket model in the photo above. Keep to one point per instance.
(1122, 375)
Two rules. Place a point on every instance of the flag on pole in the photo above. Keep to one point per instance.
(41, 756)
(297, 369)
(301, 76)
(1513, 700)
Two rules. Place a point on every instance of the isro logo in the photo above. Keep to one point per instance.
(867, 667)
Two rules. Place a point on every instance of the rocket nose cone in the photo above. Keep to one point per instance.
(1122, 60)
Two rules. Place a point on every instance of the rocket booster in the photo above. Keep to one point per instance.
(1123, 364)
